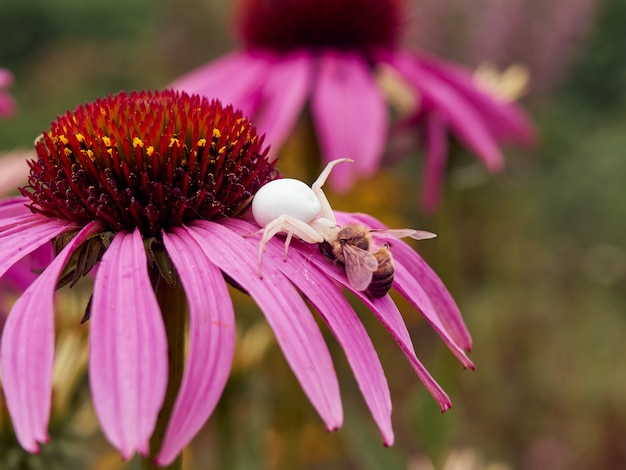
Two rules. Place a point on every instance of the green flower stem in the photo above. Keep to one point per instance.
(174, 310)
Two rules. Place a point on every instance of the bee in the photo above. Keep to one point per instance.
(382, 278)
(367, 270)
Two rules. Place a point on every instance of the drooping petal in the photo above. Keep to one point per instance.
(385, 310)
(507, 120)
(234, 79)
(436, 142)
(389, 315)
(13, 206)
(17, 242)
(342, 320)
(28, 350)
(464, 119)
(211, 342)
(443, 303)
(128, 347)
(350, 116)
(294, 327)
(284, 94)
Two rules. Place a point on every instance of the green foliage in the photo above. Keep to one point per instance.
(599, 83)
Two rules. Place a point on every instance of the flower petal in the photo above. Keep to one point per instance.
(350, 116)
(128, 347)
(211, 342)
(342, 320)
(17, 242)
(233, 79)
(436, 157)
(443, 303)
(28, 350)
(507, 120)
(294, 327)
(14, 206)
(285, 91)
(384, 309)
(389, 315)
(465, 120)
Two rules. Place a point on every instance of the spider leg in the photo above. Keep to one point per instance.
(326, 211)
(292, 226)
(287, 242)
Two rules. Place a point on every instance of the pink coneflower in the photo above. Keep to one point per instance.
(7, 105)
(343, 58)
(147, 187)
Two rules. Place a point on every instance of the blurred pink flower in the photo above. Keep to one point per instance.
(335, 54)
(544, 36)
(126, 182)
(7, 105)
(14, 170)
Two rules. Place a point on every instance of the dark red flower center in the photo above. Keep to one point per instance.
(147, 160)
(283, 25)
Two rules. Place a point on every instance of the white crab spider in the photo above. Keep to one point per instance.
(289, 205)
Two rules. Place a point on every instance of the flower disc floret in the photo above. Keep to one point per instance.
(343, 24)
(147, 160)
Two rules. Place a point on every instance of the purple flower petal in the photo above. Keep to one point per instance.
(285, 91)
(389, 315)
(443, 303)
(467, 121)
(507, 120)
(215, 80)
(384, 309)
(211, 342)
(342, 321)
(350, 116)
(436, 143)
(294, 327)
(16, 206)
(28, 350)
(440, 298)
(128, 347)
(18, 241)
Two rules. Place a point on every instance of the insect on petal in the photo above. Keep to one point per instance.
(342, 320)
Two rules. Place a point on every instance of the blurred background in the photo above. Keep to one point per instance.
(535, 257)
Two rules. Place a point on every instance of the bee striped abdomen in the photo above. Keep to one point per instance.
(382, 279)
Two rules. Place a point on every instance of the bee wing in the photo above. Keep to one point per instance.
(360, 266)
(402, 233)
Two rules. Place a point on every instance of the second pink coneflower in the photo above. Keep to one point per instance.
(335, 55)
